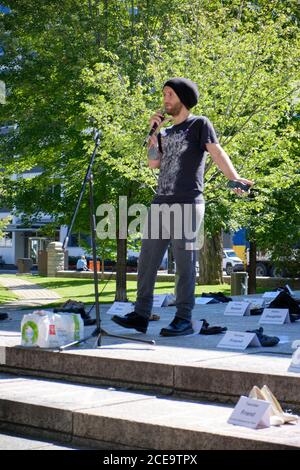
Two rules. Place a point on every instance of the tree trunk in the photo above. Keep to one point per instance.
(105, 7)
(121, 295)
(210, 260)
(95, 22)
(252, 268)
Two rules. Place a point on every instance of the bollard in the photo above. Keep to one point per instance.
(55, 258)
(24, 265)
(239, 283)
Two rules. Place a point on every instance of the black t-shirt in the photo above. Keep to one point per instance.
(183, 160)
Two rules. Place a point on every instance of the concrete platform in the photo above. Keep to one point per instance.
(185, 368)
(107, 418)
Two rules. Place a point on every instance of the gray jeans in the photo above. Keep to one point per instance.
(164, 224)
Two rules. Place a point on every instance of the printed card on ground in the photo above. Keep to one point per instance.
(275, 316)
(238, 309)
(295, 362)
(159, 299)
(271, 295)
(289, 290)
(197, 325)
(120, 308)
(251, 413)
(204, 300)
(238, 340)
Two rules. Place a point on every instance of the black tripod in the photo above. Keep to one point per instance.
(98, 332)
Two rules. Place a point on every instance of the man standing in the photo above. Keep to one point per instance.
(177, 210)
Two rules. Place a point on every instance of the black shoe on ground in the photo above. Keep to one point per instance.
(217, 296)
(132, 320)
(264, 339)
(88, 321)
(178, 327)
(211, 330)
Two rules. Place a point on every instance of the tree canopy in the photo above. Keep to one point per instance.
(72, 65)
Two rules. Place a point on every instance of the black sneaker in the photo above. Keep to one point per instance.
(178, 327)
(132, 320)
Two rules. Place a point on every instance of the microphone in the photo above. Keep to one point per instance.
(154, 127)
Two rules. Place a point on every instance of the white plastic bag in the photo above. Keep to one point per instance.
(50, 330)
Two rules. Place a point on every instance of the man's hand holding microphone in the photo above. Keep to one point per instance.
(156, 122)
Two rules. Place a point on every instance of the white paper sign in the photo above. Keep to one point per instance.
(120, 308)
(271, 295)
(256, 302)
(238, 309)
(295, 363)
(251, 413)
(275, 316)
(289, 290)
(159, 299)
(204, 300)
(2, 355)
(238, 340)
(197, 325)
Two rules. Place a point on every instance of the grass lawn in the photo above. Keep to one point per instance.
(83, 289)
(6, 295)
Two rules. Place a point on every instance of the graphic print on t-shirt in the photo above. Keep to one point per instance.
(182, 164)
(173, 146)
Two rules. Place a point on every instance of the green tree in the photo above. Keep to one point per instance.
(73, 65)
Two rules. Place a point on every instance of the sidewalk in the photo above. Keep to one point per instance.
(9, 441)
(30, 294)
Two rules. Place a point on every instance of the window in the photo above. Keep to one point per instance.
(6, 241)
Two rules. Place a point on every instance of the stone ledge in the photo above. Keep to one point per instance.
(131, 419)
(218, 379)
(108, 370)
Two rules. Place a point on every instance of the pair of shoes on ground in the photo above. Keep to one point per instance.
(218, 296)
(256, 311)
(264, 339)
(277, 415)
(72, 306)
(211, 330)
(178, 326)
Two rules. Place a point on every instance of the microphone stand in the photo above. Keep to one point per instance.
(98, 332)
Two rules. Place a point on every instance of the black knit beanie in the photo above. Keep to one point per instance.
(185, 89)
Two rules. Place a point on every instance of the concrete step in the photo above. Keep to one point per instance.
(111, 418)
(221, 376)
(9, 441)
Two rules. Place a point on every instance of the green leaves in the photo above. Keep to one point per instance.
(74, 65)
